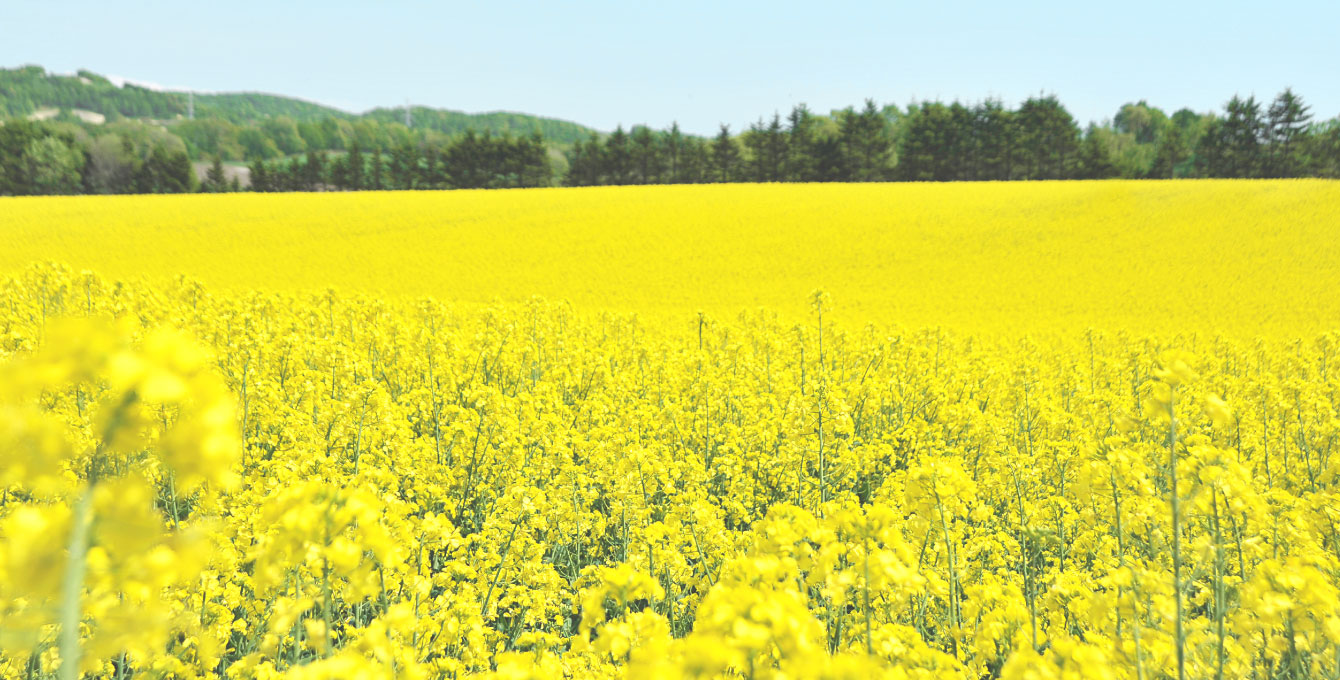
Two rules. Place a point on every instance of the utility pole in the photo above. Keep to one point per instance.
(190, 105)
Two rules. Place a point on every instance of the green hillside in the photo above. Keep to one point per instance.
(28, 89)
(498, 122)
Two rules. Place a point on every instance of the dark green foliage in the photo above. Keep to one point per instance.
(244, 107)
(996, 137)
(284, 132)
(799, 165)
(256, 145)
(15, 138)
(210, 137)
(215, 181)
(377, 178)
(1142, 121)
(585, 163)
(1286, 124)
(165, 171)
(767, 145)
(1048, 139)
(725, 156)
(1322, 148)
(1232, 146)
(929, 145)
(470, 162)
(1095, 157)
(618, 158)
(1173, 152)
(27, 89)
(452, 123)
(673, 146)
(260, 177)
(52, 165)
(646, 156)
(866, 144)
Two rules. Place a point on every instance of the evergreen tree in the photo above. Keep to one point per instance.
(1324, 149)
(618, 158)
(646, 156)
(1173, 150)
(994, 128)
(961, 145)
(1231, 146)
(774, 150)
(695, 161)
(925, 155)
(1048, 139)
(338, 173)
(866, 143)
(214, 178)
(829, 161)
(674, 150)
(1286, 125)
(354, 166)
(432, 170)
(403, 167)
(536, 168)
(585, 163)
(799, 164)
(755, 160)
(260, 176)
(165, 172)
(378, 167)
(290, 176)
(314, 174)
(725, 156)
(1095, 158)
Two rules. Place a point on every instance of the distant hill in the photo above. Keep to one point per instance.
(28, 89)
(456, 122)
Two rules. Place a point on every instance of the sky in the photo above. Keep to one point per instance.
(701, 64)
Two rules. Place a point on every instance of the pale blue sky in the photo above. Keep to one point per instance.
(701, 63)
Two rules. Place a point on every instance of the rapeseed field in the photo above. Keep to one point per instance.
(1215, 256)
(1051, 430)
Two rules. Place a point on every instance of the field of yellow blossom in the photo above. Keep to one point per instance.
(1208, 257)
(1045, 430)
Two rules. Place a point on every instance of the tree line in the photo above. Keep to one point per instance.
(471, 161)
(935, 141)
(926, 141)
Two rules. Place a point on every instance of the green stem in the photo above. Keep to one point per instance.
(1220, 609)
(72, 587)
(869, 645)
(1176, 532)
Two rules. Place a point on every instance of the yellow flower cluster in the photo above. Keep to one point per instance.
(338, 486)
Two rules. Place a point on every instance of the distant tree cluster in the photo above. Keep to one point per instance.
(852, 146)
(934, 141)
(282, 136)
(41, 158)
(470, 161)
